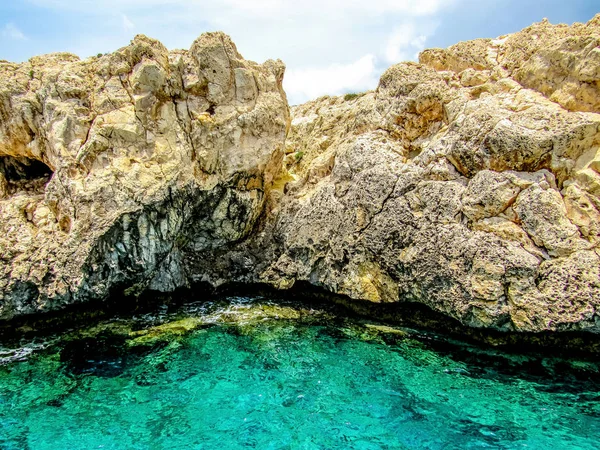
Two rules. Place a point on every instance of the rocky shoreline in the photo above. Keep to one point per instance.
(467, 183)
(416, 317)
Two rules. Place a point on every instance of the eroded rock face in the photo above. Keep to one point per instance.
(466, 183)
(469, 182)
(149, 153)
(560, 61)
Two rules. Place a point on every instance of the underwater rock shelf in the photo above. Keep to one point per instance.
(303, 296)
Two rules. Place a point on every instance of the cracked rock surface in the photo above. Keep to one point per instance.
(468, 182)
(150, 153)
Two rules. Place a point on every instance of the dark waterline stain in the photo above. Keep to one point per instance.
(413, 315)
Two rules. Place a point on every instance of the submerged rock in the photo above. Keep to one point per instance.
(467, 182)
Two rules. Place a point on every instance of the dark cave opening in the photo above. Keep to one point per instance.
(24, 174)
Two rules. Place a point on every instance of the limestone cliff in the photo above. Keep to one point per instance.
(468, 182)
(145, 152)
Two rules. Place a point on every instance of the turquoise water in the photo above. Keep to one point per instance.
(244, 375)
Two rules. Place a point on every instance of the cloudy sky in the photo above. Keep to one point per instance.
(329, 46)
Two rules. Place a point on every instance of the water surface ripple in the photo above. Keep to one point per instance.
(250, 374)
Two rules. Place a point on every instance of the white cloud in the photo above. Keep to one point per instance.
(329, 46)
(306, 83)
(128, 25)
(405, 42)
(259, 7)
(339, 8)
(11, 31)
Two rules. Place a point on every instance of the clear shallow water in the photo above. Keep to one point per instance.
(241, 375)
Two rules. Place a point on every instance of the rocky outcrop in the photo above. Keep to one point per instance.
(562, 62)
(468, 182)
(145, 152)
